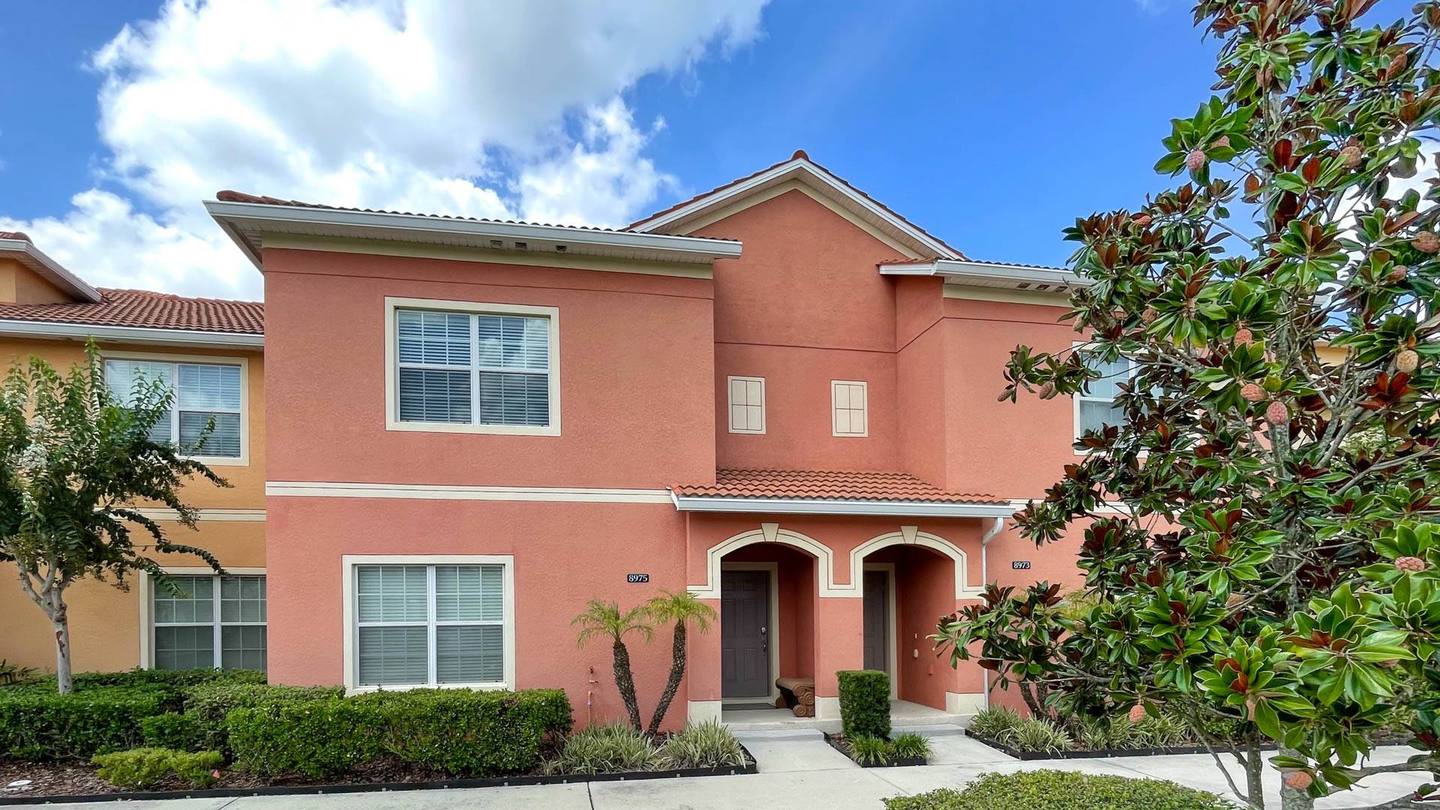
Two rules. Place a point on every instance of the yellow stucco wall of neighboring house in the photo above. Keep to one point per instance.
(105, 622)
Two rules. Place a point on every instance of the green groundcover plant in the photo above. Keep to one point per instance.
(1259, 550)
(1060, 790)
(144, 768)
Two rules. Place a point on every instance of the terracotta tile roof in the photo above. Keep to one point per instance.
(800, 154)
(241, 197)
(826, 485)
(20, 235)
(154, 310)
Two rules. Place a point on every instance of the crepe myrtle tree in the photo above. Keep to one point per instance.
(74, 461)
(1259, 553)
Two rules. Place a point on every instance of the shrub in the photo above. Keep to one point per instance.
(1061, 790)
(1161, 732)
(702, 745)
(1038, 736)
(142, 768)
(457, 731)
(11, 674)
(605, 748)
(172, 730)
(41, 725)
(909, 746)
(994, 722)
(207, 705)
(313, 738)
(868, 750)
(864, 703)
(460, 731)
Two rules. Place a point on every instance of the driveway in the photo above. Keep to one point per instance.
(793, 773)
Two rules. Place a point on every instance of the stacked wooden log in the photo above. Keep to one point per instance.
(797, 695)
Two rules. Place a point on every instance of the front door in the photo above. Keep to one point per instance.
(745, 634)
(877, 621)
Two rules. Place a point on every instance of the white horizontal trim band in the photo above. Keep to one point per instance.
(443, 492)
(985, 271)
(130, 334)
(244, 515)
(826, 506)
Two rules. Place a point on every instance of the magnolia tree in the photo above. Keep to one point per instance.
(74, 462)
(1258, 553)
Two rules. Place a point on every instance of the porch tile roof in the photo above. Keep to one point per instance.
(154, 310)
(849, 485)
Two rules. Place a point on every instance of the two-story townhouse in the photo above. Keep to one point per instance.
(779, 395)
(210, 352)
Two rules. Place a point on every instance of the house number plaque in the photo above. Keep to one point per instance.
(1020, 565)
(637, 578)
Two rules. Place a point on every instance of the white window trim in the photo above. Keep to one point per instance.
(1079, 397)
(392, 388)
(147, 607)
(351, 632)
(864, 386)
(730, 404)
(243, 460)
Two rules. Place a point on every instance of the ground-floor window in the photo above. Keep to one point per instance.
(431, 624)
(209, 621)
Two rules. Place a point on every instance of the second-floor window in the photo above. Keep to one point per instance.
(479, 370)
(1095, 406)
(204, 394)
(849, 408)
(747, 404)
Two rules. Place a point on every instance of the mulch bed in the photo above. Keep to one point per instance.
(838, 743)
(50, 782)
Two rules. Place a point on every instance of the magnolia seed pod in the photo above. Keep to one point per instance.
(1351, 156)
(1411, 564)
(1426, 242)
(1137, 712)
(1398, 274)
(1195, 160)
(1252, 392)
(1407, 361)
(1298, 780)
(1244, 337)
(1277, 414)
(1149, 315)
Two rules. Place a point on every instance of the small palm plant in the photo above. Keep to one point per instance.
(606, 620)
(682, 608)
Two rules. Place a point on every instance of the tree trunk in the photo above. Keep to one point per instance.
(677, 673)
(60, 620)
(1255, 775)
(625, 682)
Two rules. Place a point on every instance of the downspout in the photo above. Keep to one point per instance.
(990, 534)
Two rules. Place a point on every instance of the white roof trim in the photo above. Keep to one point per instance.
(237, 217)
(48, 269)
(784, 171)
(988, 273)
(130, 334)
(835, 506)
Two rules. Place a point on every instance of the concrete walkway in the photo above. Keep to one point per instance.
(793, 773)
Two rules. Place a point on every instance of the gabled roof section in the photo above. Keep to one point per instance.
(248, 219)
(815, 177)
(16, 245)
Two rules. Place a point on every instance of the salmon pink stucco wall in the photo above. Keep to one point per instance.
(564, 555)
(803, 306)
(635, 371)
(924, 592)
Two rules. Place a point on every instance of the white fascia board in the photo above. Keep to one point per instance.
(130, 334)
(789, 167)
(986, 271)
(367, 224)
(49, 269)
(828, 506)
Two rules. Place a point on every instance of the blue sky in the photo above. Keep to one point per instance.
(992, 124)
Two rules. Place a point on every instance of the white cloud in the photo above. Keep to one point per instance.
(496, 108)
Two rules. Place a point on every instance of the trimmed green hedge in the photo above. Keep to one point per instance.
(104, 713)
(1061, 790)
(864, 703)
(455, 731)
(172, 731)
(207, 705)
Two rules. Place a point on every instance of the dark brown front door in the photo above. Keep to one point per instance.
(745, 634)
(877, 621)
